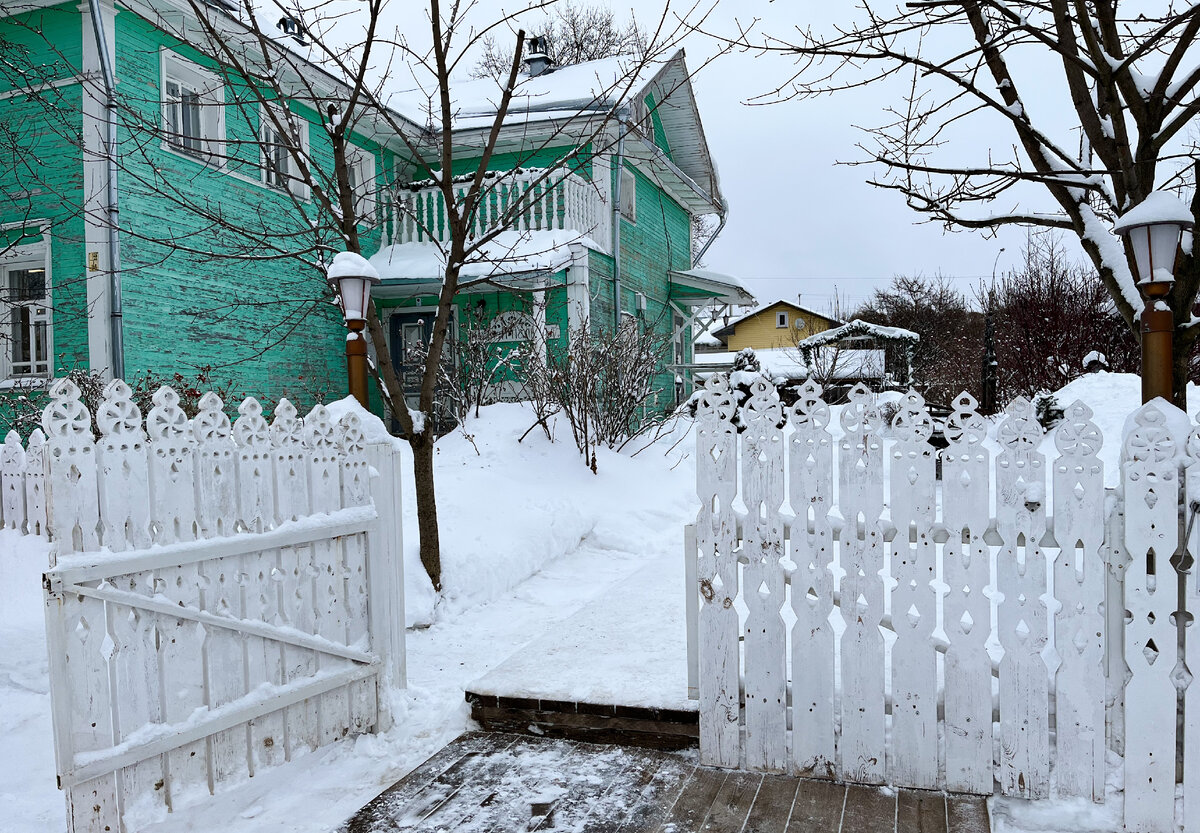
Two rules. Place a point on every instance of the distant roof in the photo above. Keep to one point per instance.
(728, 328)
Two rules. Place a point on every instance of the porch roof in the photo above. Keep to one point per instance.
(511, 254)
(703, 286)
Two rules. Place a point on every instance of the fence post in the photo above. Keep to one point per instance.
(691, 609)
(387, 564)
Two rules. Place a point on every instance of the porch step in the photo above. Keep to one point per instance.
(651, 728)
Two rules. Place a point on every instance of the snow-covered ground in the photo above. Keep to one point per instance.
(544, 563)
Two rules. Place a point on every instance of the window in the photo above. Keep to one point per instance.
(360, 169)
(193, 108)
(279, 169)
(25, 306)
(781, 321)
(628, 196)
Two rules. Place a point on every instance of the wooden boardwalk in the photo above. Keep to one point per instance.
(502, 783)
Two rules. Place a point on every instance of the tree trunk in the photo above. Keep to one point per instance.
(1181, 359)
(427, 522)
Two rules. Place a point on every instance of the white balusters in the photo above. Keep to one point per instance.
(172, 468)
(1151, 479)
(74, 519)
(966, 468)
(860, 485)
(763, 580)
(1079, 573)
(811, 475)
(123, 482)
(914, 759)
(1022, 618)
(716, 536)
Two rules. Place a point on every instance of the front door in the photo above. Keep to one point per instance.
(409, 335)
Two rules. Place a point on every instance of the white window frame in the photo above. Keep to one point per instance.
(628, 195)
(781, 320)
(360, 165)
(288, 176)
(180, 77)
(25, 257)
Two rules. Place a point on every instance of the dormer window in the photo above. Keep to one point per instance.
(781, 320)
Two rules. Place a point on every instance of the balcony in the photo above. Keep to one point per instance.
(527, 201)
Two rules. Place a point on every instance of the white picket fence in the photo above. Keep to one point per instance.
(23, 484)
(221, 597)
(855, 637)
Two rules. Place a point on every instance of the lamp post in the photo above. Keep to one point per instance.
(1153, 228)
(354, 277)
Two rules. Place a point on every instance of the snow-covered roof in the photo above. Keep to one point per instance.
(562, 92)
(509, 253)
(858, 327)
(728, 328)
(786, 363)
(724, 288)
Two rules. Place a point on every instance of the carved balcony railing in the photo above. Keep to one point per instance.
(526, 200)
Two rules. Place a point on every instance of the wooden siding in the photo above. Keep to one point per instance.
(760, 332)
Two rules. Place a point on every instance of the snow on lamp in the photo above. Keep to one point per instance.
(1153, 227)
(354, 277)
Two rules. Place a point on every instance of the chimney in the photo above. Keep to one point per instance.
(536, 59)
(291, 26)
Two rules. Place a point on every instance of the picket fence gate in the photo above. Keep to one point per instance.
(850, 639)
(221, 597)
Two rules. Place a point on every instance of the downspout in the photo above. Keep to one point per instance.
(724, 215)
(619, 166)
(110, 193)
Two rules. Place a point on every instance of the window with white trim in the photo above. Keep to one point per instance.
(193, 108)
(278, 163)
(628, 195)
(360, 170)
(781, 320)
(25, 342)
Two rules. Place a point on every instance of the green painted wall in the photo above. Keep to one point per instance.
(265, 320)
(41, 174)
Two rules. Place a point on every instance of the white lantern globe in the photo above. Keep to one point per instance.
(354, 276)
(1153, 227)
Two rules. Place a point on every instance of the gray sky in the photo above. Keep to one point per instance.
(799, 223)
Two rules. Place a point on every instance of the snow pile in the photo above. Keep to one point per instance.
(28, 794)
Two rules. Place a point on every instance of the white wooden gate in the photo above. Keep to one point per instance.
(217, 600)
(892, 629)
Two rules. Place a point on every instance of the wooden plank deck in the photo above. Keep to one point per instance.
(489, 782)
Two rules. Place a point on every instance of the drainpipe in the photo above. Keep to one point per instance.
(110, 195)
(724, 215)
(622, 126)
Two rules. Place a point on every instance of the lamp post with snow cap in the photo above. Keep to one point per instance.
(354, 277)
(1153, 227)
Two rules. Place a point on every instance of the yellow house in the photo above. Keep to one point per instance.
(781, 324)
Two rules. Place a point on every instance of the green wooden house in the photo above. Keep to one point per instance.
(215, 262)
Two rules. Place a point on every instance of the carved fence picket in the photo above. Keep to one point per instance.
(1152, 490)
(12, 483)
(812, 550)
(763, 581)
(716, 535)
(914, 759)
(1191, 706)
(1022, 617)
(1079, 576)
(36, 518)
(860, 489)
(966, 467)
(181, 665)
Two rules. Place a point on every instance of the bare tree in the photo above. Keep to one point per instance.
(1099, 104)
(1049, 314)
(572, 33)
(341, 71)
(946, 359)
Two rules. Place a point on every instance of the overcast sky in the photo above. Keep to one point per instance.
(799, 224)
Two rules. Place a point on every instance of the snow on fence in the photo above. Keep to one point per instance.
(219, 597)
(856, 638)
